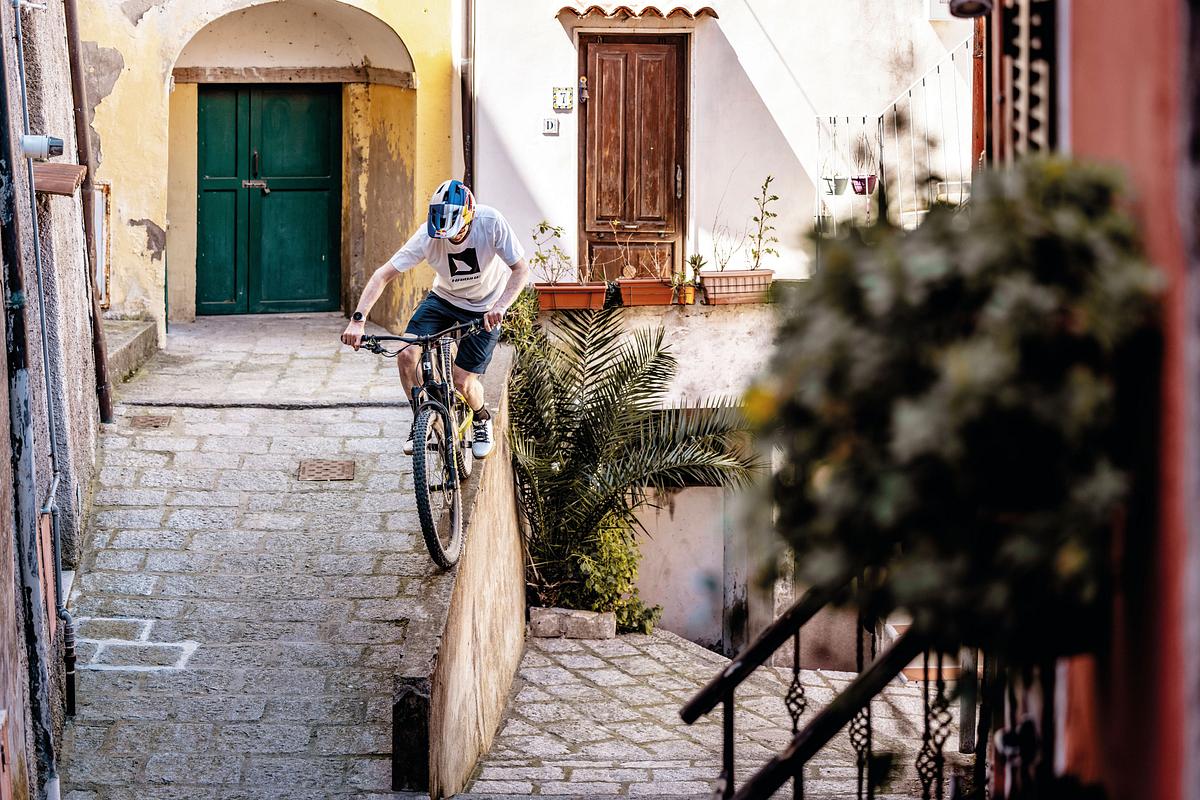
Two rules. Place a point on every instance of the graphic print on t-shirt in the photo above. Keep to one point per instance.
(463, 265)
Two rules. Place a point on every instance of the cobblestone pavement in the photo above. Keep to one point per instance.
(280, 359)
(239, 628)
(600, 718)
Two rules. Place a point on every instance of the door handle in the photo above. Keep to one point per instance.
(254, 164)
(678, 182)
(630, 226)
(257, 184)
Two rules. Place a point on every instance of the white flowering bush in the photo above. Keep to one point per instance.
(961, 410)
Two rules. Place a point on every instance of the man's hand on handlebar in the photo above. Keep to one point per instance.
(353, 334)
(493, 317)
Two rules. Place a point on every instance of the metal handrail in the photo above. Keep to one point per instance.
(759, 650)
(826, 724)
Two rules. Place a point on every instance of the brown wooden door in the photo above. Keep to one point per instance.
(633, 151)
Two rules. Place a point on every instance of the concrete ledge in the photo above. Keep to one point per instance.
(452, 688)
(131, 342)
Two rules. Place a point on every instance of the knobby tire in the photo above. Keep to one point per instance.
(442, 531)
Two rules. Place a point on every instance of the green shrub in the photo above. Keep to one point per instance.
(591, 440)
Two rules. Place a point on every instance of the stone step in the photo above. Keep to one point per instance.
(131, 343)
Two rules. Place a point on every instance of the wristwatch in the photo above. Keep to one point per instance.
(357, 316)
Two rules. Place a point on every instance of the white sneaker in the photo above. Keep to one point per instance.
(481, 445)
(408, 443)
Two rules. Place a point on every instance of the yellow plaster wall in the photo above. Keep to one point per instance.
(182, 178)
(133, 121)
(392, 218)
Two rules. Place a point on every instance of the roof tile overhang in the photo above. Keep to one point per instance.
(645, 12)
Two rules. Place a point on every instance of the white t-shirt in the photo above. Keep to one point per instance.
(470, 275)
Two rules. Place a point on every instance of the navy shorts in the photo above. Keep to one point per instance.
(435, 314)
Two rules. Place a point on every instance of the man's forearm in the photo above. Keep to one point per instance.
(516, 282)
(374, 288)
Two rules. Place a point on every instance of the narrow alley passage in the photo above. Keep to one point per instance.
(240, 627)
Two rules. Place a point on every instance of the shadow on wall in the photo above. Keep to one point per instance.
(737, 141)
(497, 168)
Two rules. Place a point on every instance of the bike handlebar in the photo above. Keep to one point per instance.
(371, 342)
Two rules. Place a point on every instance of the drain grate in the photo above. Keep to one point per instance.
(320, 469)
(150, 421)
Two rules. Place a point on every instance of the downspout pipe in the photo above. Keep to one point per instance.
(467, 85)
(24, 468)
(83, 145)
(50, 507)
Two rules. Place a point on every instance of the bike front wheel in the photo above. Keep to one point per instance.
(438, 489)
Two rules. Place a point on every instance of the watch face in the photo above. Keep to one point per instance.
(357, 316)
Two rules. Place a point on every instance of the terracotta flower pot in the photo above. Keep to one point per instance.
(864, 184)
(645, 292)
(736, 286)
(564, 296)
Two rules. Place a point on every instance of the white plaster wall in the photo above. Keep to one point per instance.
(719, 350)
(296, 34)
(683, 562)
(761, 74)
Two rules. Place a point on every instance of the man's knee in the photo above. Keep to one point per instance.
(408, 359)
(463, 378)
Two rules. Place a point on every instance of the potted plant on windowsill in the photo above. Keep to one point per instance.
(552, 262)
(685, 287)
(642, 282)
(728, 286)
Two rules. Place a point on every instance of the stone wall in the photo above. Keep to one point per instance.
(485, 630)
(62, 397)
(66, 284)
(452, 691)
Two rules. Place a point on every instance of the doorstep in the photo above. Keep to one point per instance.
(131, 342)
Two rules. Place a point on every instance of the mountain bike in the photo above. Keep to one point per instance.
(442, 457)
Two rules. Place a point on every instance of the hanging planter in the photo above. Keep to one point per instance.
(864, 184)
(733, 286)
(835, 184)
(645, 291)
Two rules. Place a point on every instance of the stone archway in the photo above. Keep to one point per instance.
(297, 43)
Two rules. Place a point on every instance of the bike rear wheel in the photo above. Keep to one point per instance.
(438, 505)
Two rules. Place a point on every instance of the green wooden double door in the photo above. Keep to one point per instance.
(268, 235)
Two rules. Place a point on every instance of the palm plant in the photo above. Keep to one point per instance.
(591, 441)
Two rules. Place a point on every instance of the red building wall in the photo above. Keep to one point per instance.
(1126, 76)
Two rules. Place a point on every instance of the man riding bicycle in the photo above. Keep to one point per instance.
(480, 269)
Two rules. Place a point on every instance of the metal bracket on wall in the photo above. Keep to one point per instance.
(18, 4)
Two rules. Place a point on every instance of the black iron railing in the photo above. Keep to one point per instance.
(850, 707)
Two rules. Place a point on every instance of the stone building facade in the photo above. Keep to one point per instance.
(49, 392)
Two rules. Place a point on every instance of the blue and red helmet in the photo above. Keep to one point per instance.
(451, 209)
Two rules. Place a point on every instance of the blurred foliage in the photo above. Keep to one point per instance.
(591, 439)
(521, 319)
(955, 408)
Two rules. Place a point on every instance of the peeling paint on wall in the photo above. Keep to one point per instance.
(104, 66)
(140, 57)
(156, 237)
(136, 9)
